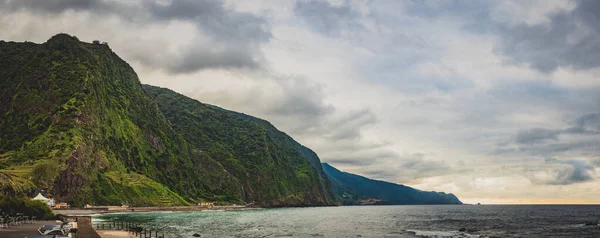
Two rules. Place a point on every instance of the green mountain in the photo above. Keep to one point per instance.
(75, 120)
(353, 189)
(270, 165)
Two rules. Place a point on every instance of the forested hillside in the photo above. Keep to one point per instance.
(351, 189)
(270, 165)
(76, 121)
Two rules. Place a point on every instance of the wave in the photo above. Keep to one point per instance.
(584, 225)
(444, 234)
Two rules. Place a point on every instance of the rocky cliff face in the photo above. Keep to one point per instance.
(273, 169)
(75, 120)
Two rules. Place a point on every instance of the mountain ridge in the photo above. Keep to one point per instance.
(77, 122)
(352, 189)
(274, 159)
(98, 137)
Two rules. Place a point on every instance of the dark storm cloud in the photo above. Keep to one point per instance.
(536, 135)
(238, 35)
(327, 19)
(348, 127)
(432, 9)
(212, 17)
(583, 147)
(580, 138)
(572, 39)
(299, 98)
(406, 168)
(587, 146)
(201, 58)
(565, 172)
(422, 166)
(235, 37)
(296, 99)
(52, 6)
(277, 97)
(581, 171)
(589, 122)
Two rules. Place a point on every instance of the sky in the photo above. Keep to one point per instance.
(494, 101)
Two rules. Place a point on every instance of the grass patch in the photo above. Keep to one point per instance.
(117, 188)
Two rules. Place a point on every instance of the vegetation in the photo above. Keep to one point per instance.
(11, 205)
(134, 189)
(43, 174)
(76, 121)
(12, 184)
(351, 189)
(272, 168)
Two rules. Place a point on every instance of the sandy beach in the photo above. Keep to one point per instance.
(114, 234)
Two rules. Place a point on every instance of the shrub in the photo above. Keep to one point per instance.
(43, 173)
(13, 205)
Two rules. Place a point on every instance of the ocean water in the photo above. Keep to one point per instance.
(378, 221)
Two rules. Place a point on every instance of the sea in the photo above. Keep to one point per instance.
(377, 221)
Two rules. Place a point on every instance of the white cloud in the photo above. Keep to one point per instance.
(534, 12)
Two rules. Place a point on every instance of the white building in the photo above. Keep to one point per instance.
(40, 197)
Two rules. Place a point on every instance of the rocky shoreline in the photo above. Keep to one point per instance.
(94, 211)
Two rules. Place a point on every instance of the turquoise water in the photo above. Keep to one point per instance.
(377, 221)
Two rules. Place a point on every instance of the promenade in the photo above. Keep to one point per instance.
(24, 229)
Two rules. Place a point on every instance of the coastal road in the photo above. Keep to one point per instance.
(24, 229)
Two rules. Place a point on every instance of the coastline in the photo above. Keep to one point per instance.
(113, 210)
(99, 211)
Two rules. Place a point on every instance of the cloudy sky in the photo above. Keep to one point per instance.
(494, 101)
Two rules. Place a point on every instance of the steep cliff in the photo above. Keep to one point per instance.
(353, 189)
(75, 120)
(274, 169)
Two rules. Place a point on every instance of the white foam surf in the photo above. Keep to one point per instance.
(444, 234)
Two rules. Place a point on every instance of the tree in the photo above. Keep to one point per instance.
(11, 205)
(43, 174)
